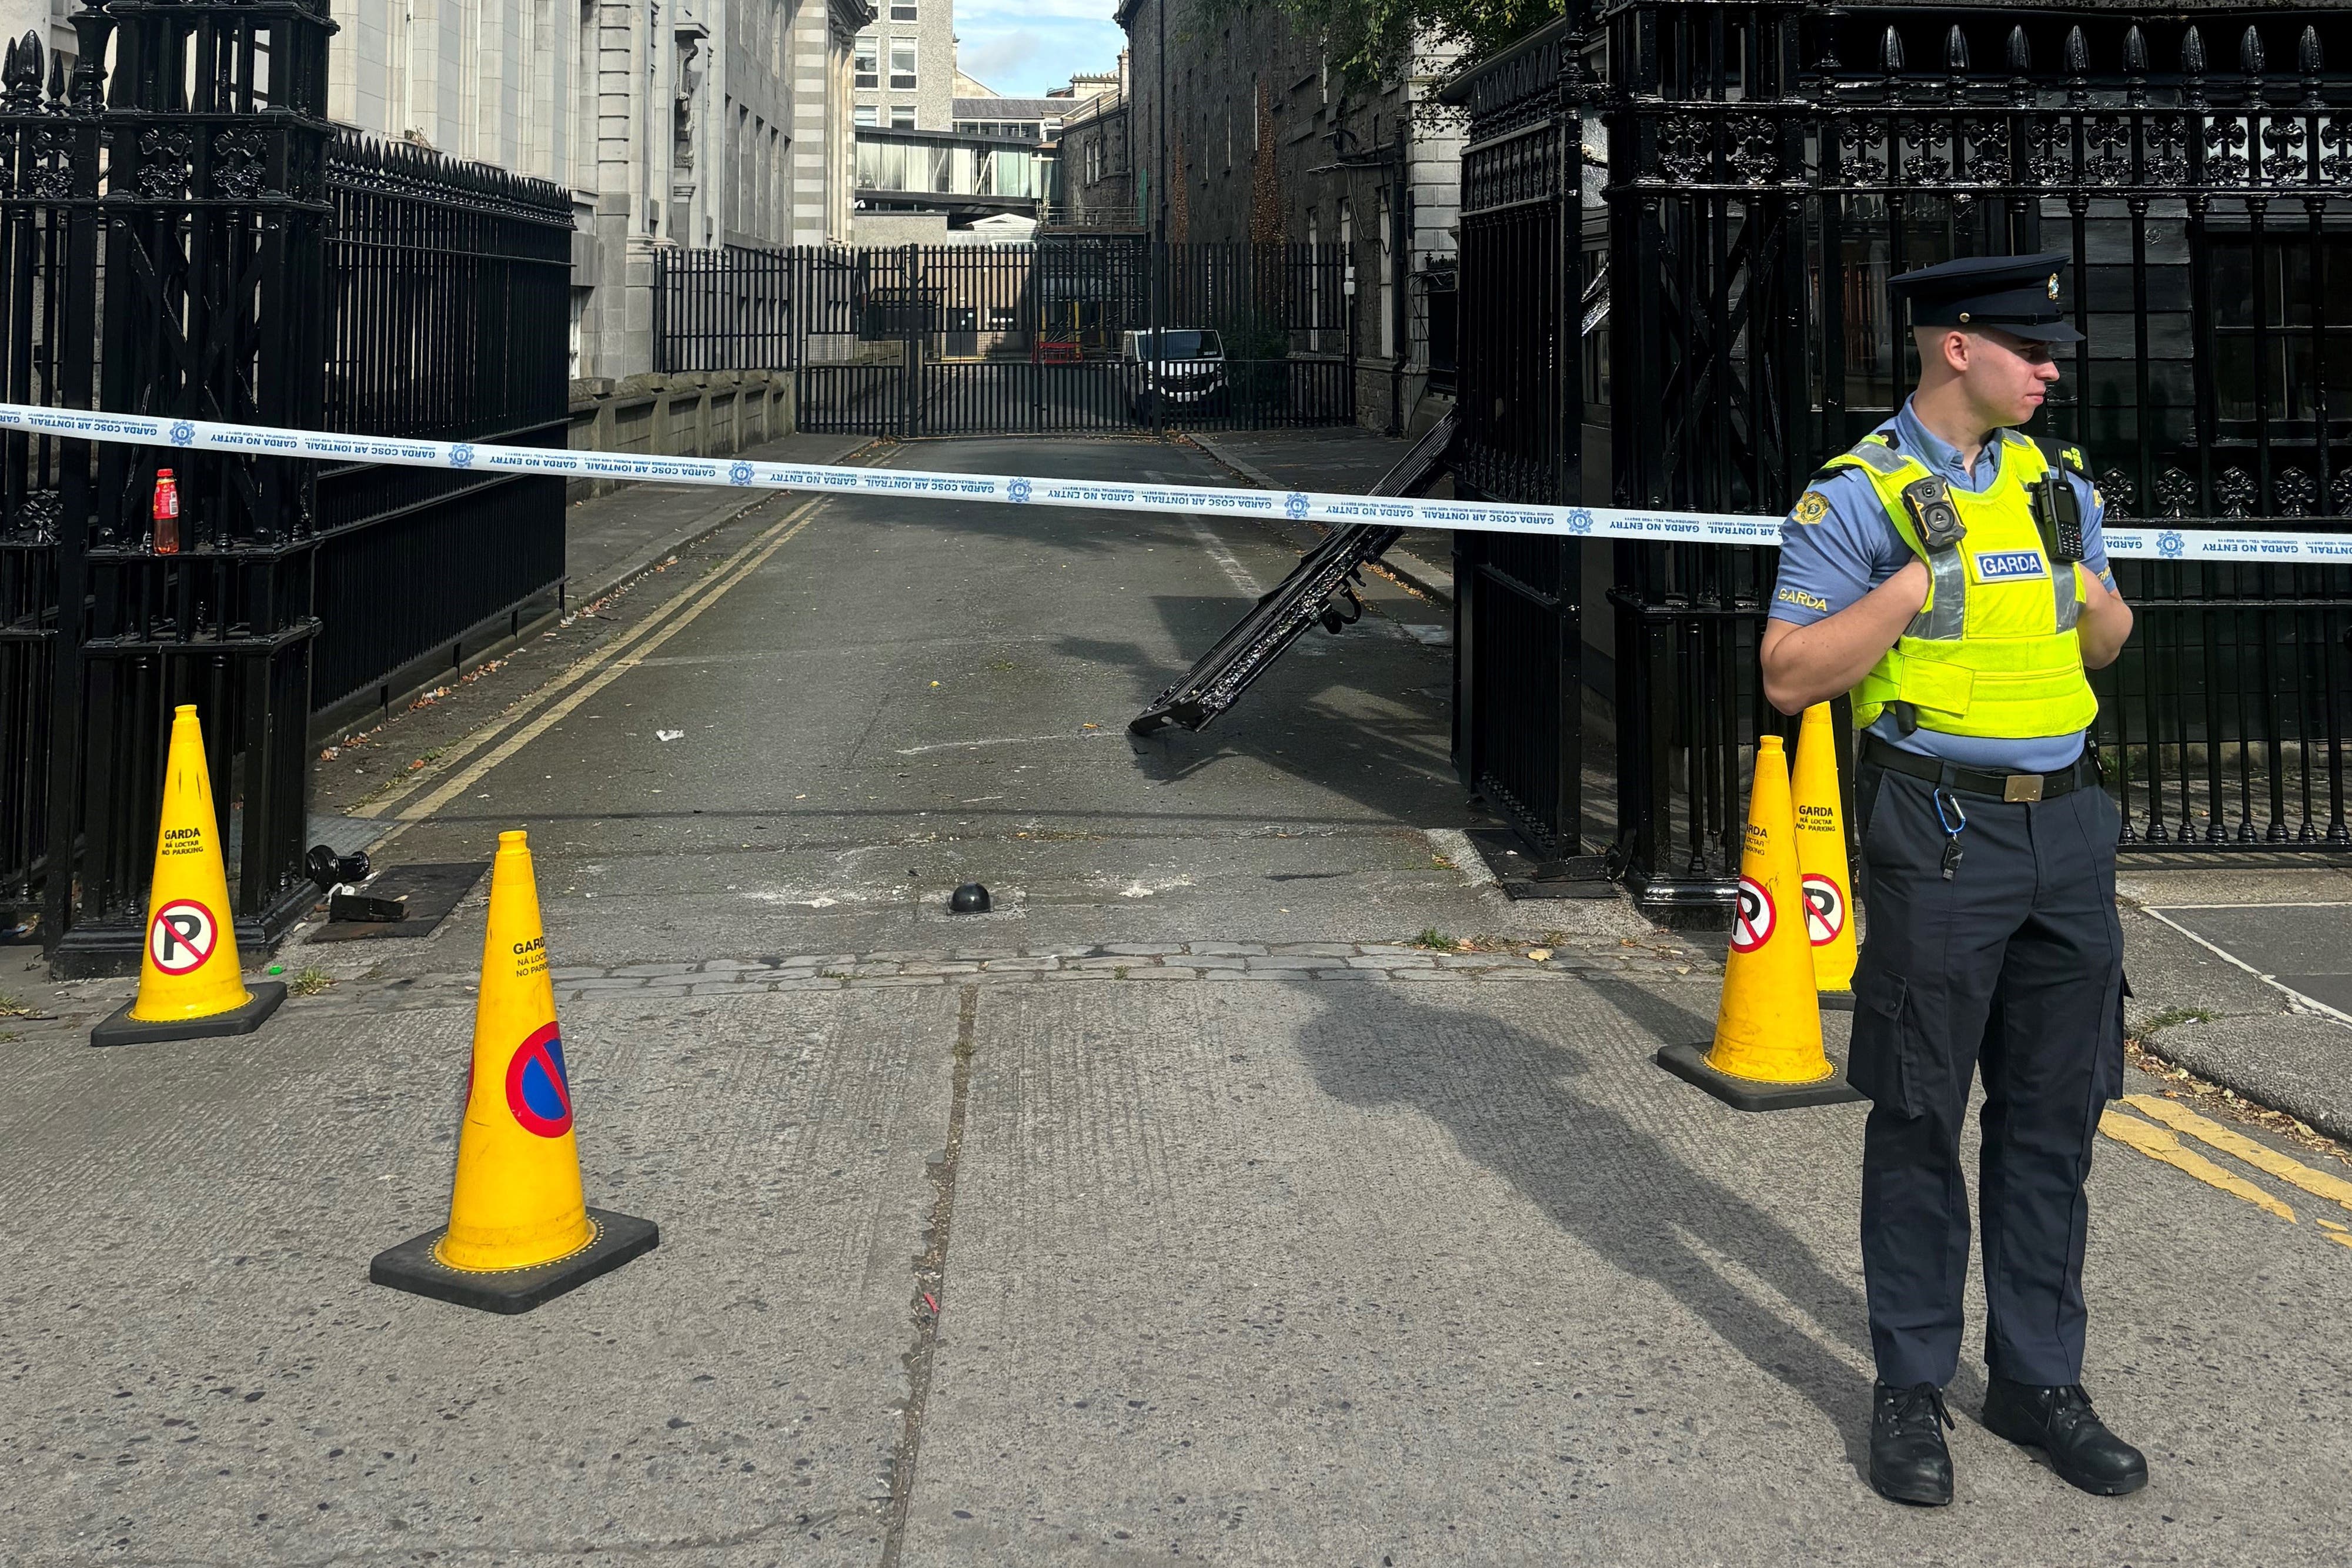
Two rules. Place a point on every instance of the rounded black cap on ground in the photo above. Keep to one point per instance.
(970, 899)
(328, 869)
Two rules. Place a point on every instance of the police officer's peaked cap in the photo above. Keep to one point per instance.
(2017, 294)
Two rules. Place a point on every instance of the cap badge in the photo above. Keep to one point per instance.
(2053, 287)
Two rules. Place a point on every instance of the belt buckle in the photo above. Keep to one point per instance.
(2022, 786)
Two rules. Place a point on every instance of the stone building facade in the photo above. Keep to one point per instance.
(1098, 168)
(905, 71)
(1244, 132)
(691, 123)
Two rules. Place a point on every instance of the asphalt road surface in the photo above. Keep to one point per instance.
(1184, 1209)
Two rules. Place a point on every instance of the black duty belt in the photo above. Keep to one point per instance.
(2083, 770)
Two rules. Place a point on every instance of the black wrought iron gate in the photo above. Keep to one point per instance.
(184, 233)
(1520, 654)
(969, 340)
(1767, 166)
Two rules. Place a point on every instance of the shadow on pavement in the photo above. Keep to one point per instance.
(1392, 761)
(1523, 1107)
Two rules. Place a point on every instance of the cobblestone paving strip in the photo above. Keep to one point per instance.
(1115, 964)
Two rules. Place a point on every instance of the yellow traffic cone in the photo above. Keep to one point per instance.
(1767, 1052)
(189, 986)
(519, 1232)
(1820, 855)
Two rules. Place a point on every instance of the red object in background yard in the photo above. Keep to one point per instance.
(1058, 351)
(166, 513)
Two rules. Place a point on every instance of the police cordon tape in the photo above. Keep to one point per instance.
(2126, 540)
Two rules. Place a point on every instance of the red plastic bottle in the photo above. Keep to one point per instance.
(166, 513)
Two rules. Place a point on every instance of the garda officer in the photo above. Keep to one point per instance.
(1950, 572)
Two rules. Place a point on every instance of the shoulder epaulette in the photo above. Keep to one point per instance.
(1879, 455)
(2066, 455)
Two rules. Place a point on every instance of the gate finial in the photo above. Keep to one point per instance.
(21, 73)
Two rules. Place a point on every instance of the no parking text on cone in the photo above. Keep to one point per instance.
(189, 983)
(1820, 856)
(1767, 1052)
(519, 1232)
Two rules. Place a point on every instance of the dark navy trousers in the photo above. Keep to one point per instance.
(2013, 969)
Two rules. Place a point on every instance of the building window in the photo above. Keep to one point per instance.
(902, 117)
(902, 10)
(902, 62)
(2274, 357)
(868, 73)
(864, 114)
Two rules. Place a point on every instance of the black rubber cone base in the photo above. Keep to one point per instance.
(1688, 1062)
(411, 1266)
(121, 1028)
(1837, 1001)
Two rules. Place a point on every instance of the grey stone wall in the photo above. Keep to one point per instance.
(693, 414)
(1351, 165)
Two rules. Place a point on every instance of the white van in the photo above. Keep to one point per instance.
(1190, 370)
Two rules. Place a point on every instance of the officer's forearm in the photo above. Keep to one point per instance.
(2105, 623)
(1807, 664)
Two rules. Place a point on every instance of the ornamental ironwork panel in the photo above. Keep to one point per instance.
(1768, 167)
(167, 203)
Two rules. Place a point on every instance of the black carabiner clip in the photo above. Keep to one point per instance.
(1954, 819)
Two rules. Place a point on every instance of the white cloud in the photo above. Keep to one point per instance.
(1025, 48)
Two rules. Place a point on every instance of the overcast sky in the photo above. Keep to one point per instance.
(1022, 49)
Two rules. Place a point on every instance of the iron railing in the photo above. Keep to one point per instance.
(739, 309)
(733, 308)
(448, 316)
(1520, 653)
(1091, 396)
(1769, 166)
(967, 339)
(181, 234)
(166, 213)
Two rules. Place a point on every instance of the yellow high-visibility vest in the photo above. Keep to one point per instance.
(1994, 651)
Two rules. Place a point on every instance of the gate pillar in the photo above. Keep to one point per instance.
(213, 209)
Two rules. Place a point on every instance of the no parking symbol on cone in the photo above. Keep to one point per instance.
(1767, 1051)
(190, 987)
(519, 1230)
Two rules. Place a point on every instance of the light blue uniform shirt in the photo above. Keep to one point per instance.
(1833, 561)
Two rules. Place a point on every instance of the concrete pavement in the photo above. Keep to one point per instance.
(1188, 1207)
(2244, 976)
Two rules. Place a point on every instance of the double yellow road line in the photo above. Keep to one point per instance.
(2163, 1145)
(460, 768)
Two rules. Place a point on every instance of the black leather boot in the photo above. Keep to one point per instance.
(1908, 1461)
(2061, 1423)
